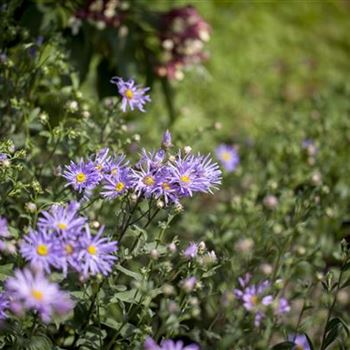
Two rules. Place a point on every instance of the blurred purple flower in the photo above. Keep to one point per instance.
(96, 254)
(41, 250)
(228, 157)
(4, 305)
(166, 141)
(33, 291)
(132, 95)
(4, 230)
(300, 340)
(191, 251)
(168, 344)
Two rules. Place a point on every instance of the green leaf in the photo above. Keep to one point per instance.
(5, 271)
(134, 275)
(38, 342)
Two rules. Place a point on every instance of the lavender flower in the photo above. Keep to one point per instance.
(116, 165)
(191, 251)
(33, 291)
(300, 340)
(132, 95)
(62, 219)
(82, 176)
(96, 254)
(253, 297)
(4, 305)
(143, 180)
(283, 306)
(115, 186)
(102, 161)
(168, 344)
(228, 156)
(4, 231)
(41, 251)
(189, 283)
(166, 141)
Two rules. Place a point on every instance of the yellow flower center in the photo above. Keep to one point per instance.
(185, 178)
(129, 94)
(166, 186)
(42, 249)
(81, 177)
(148, 180)
(68, 249)
(226, 156)
(92, 249)
(254, 299)
(99, 167)
(119, 186)
(61, 225)
(37, 295)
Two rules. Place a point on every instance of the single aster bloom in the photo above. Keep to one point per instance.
(117, 165)
(143, 180)
(62, 219)
(4, 230)
(69, 251)
(152, 160)
(4, 305)
(34, 292)
(102, 161)
(228, 157)
(132, 95)
(96, 253)
(300, 340)
(163, 187)
(191, 251)
(166, 141)
(82, 176)
(115, 186)
(41, 250)
(168, 344)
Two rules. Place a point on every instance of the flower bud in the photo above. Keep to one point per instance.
(270, 202)
(31, 207)
(166, 142)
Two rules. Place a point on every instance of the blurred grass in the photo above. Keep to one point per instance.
(268, 59)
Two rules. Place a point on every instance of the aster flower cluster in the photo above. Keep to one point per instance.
(156, 175)
(102, 13)
(256, 300)
(183, 34)
(133, 96)
(28, 290)
(63, 241)
(168, 344)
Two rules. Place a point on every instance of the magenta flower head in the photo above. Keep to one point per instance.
(132, 95)
(41, 250)
(168, 344)
(300, 341)
(32, 291)
(96, 254)
(62, 220)
(228, 157)
(82, 176)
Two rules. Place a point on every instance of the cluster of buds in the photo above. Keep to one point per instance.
(103, 13)
(183, 33)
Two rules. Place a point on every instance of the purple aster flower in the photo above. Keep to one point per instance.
(4, 230)
(163, 187)
(96, 254)
(152, 160)
(254, 297)
(102, 162)
(4, 305)
(300, 340)
(33, 291)
(115, 186)
(195, 174)
(166, 141)
(63, 219)
(283, 306)
(69, 252)
(191, 251)
(168, 344)
(41, 250)
(3, 156)
(143, 180)
(82, 176)
(188, 283)
(228, 156)
(116, 165)
(132, 95)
